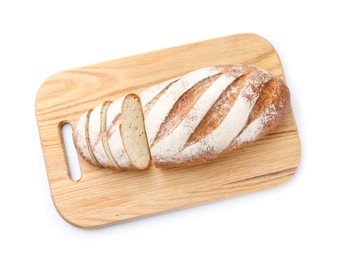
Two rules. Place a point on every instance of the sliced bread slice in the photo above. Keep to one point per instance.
(79, 137)
(115, 145)
(133, 133)
(90, 148)
(104, 138)
(95, 132)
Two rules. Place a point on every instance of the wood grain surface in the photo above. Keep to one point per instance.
(103, 197)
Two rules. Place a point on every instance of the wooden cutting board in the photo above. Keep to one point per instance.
(102, 197)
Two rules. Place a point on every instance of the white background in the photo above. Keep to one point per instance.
(297, 220)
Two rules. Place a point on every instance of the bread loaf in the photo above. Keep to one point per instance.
(185, 120)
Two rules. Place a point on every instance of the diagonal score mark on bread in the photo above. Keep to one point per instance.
(183, 106)
(155, 93)
(217, 112)
(271, 104)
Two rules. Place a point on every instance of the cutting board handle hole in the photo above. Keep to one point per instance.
(74, 171)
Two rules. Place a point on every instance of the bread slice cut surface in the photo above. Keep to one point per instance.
(133, 132)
